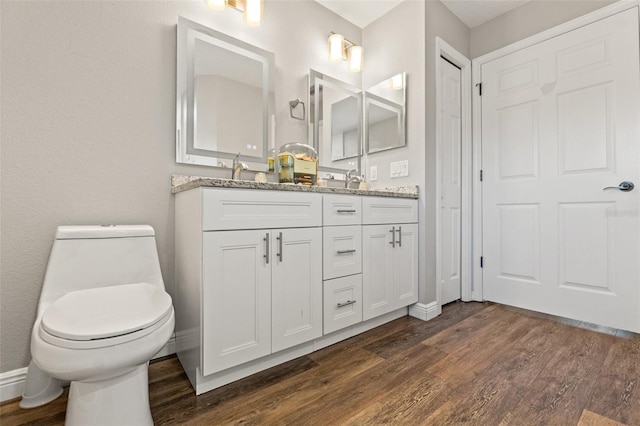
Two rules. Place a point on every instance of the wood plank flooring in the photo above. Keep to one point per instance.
(476, 364)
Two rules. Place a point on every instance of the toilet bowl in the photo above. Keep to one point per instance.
(103, 314)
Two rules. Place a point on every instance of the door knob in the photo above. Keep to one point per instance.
(625, 186)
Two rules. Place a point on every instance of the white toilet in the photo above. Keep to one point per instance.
(103, 314)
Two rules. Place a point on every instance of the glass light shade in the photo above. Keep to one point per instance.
(396, 82)
(355, 58)
(336, 48)
(253, 12)
(216, 4)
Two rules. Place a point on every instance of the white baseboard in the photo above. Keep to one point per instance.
(425, 312)
(12, 382)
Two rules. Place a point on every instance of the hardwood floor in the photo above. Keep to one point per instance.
(478, 364)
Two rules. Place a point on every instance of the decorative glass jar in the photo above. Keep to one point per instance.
(298, 164)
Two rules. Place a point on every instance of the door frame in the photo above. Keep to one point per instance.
(589, 18)
(445, 50)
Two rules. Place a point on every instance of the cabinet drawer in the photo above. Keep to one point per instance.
(341, 210)
(341, 251)
(379, 210)
(342, 302)
(225, 209)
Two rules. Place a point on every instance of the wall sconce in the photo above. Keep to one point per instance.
(252, 10)
(341, 49)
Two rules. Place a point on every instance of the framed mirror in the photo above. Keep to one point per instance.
(225, 95)
(335, 114)
(385, 106)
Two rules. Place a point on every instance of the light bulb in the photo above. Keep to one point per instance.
(355, 58)
(253, 12)
(336, 47)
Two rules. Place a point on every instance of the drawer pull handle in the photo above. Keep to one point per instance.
(347, 303)
(346, 210)
(393, 237)
(399, 236)
(346, 251)
(279, 238)
(266, 247)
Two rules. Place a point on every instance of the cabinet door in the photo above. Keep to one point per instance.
(236, 299)
(406, 264)
(296, 286)
(378, 295)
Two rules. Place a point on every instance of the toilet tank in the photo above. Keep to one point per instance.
(84, 257)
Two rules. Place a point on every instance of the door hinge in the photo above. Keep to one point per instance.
(479, 85)
(482, 261)
(481, 176)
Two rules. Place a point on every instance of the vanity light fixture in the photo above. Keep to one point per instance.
(216, 4)
(337, 51)
(252, 10)
(355, 58)
(341, 49)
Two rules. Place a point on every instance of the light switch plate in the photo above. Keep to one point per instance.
(394, 169)
(404, 168)
(399, 169)
(373, 173)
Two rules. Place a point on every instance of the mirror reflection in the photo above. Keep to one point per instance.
(336, 117)
(385, 114)
(224, 96)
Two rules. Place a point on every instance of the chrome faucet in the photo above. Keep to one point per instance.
(237, 168)
(350, 179)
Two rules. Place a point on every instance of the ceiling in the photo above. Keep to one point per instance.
(476, 12)
(471, 12)
(360, 12)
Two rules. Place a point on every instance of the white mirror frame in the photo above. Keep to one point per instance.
(375, 96)
(316, 81)
(188, 31)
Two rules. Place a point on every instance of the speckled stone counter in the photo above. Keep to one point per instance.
(181, 183)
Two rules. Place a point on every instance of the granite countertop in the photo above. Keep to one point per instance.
(181, 183)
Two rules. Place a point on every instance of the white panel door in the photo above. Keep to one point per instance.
(296, 286)
(450, 189)
(561, 121)
(236, 299)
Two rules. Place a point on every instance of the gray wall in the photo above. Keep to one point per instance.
(88, 123)
(527, 20)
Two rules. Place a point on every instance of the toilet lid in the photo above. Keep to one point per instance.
(105, 312)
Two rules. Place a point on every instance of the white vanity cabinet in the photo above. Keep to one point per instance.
(390, 254)
(265, 276)
(249, 275)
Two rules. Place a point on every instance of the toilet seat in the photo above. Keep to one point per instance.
(105, 316)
